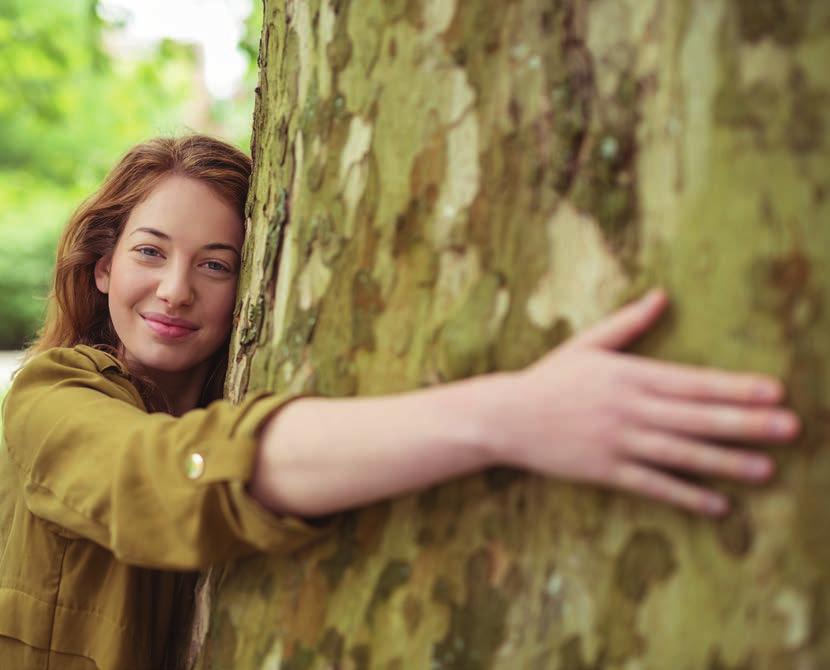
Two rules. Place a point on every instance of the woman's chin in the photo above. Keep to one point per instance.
(166, 361)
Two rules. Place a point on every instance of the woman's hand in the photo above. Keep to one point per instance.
(589, 413)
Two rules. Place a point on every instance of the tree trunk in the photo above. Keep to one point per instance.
(444, 189)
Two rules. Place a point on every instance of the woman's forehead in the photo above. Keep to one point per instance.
(187, 209)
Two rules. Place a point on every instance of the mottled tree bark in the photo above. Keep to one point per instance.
(444, 189)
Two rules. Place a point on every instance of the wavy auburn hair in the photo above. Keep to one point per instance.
(77, 312)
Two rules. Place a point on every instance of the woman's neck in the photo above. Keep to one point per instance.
(177, 392)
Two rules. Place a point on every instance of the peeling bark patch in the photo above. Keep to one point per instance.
(606, 185)
(367, 304)
(465, 341)
(394, 575)
(552, 605)
(571, 101)
(789, 297)
(301, 331)
(301, 659)
(442, 591)
(462, 351)
(335, 377)
(462, 179)
(357, 146)
(413, 612)
(312, 282)
(437, 15)
(570, 656)
(426, 537)
(309, 116)
(428, 169)
(645, 560)
(746, 108)
(583, 278)
(346, 549)
(794, 609)
(395, 9)
(408, 228)
(785, 21)
(805, 131)
(314, 175)
(331, 242)
(736, 532)
(252, 325)
(362, 656)
(426, 174)
(339, 50)
(716, 663)
(477, 626)
(332, 646)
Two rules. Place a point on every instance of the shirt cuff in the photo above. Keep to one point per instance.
(266, 530)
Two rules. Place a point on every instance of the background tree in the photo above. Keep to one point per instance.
(444, 189)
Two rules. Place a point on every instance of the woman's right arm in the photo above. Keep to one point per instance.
(585, 412)
(157, 491)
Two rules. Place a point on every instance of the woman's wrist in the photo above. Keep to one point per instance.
(482, 404)
(470, 410)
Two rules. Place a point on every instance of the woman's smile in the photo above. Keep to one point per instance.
(167, 330)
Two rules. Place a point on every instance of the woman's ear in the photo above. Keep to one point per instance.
(102, 273)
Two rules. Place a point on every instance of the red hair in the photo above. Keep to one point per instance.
(77, 312)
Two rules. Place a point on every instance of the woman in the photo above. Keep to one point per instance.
(122, 469)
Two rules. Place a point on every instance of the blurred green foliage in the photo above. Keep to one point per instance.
(69, 108)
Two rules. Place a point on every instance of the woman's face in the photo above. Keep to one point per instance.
(171, 279)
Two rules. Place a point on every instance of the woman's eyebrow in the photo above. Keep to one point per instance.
(219, 245)
(165, 236)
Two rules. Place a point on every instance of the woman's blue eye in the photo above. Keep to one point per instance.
(217, 266)
(142, 250)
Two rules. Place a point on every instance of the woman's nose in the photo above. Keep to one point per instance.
(175, 287)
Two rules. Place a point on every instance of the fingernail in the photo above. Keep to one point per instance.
(784, 425)
(653, 295)
(761, 467)
(767, 392)
(717, 505)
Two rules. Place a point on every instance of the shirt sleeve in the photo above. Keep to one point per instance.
(157, 490)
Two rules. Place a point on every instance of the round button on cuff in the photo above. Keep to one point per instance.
(194, 466)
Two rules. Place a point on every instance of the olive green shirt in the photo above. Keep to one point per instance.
(103, 507)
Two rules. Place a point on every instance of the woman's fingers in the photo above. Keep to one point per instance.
(728, 422)
(675, 451)
(624, 325)
(704, 383)
(645, 481)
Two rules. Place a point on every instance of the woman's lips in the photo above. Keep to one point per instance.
(165, 330)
